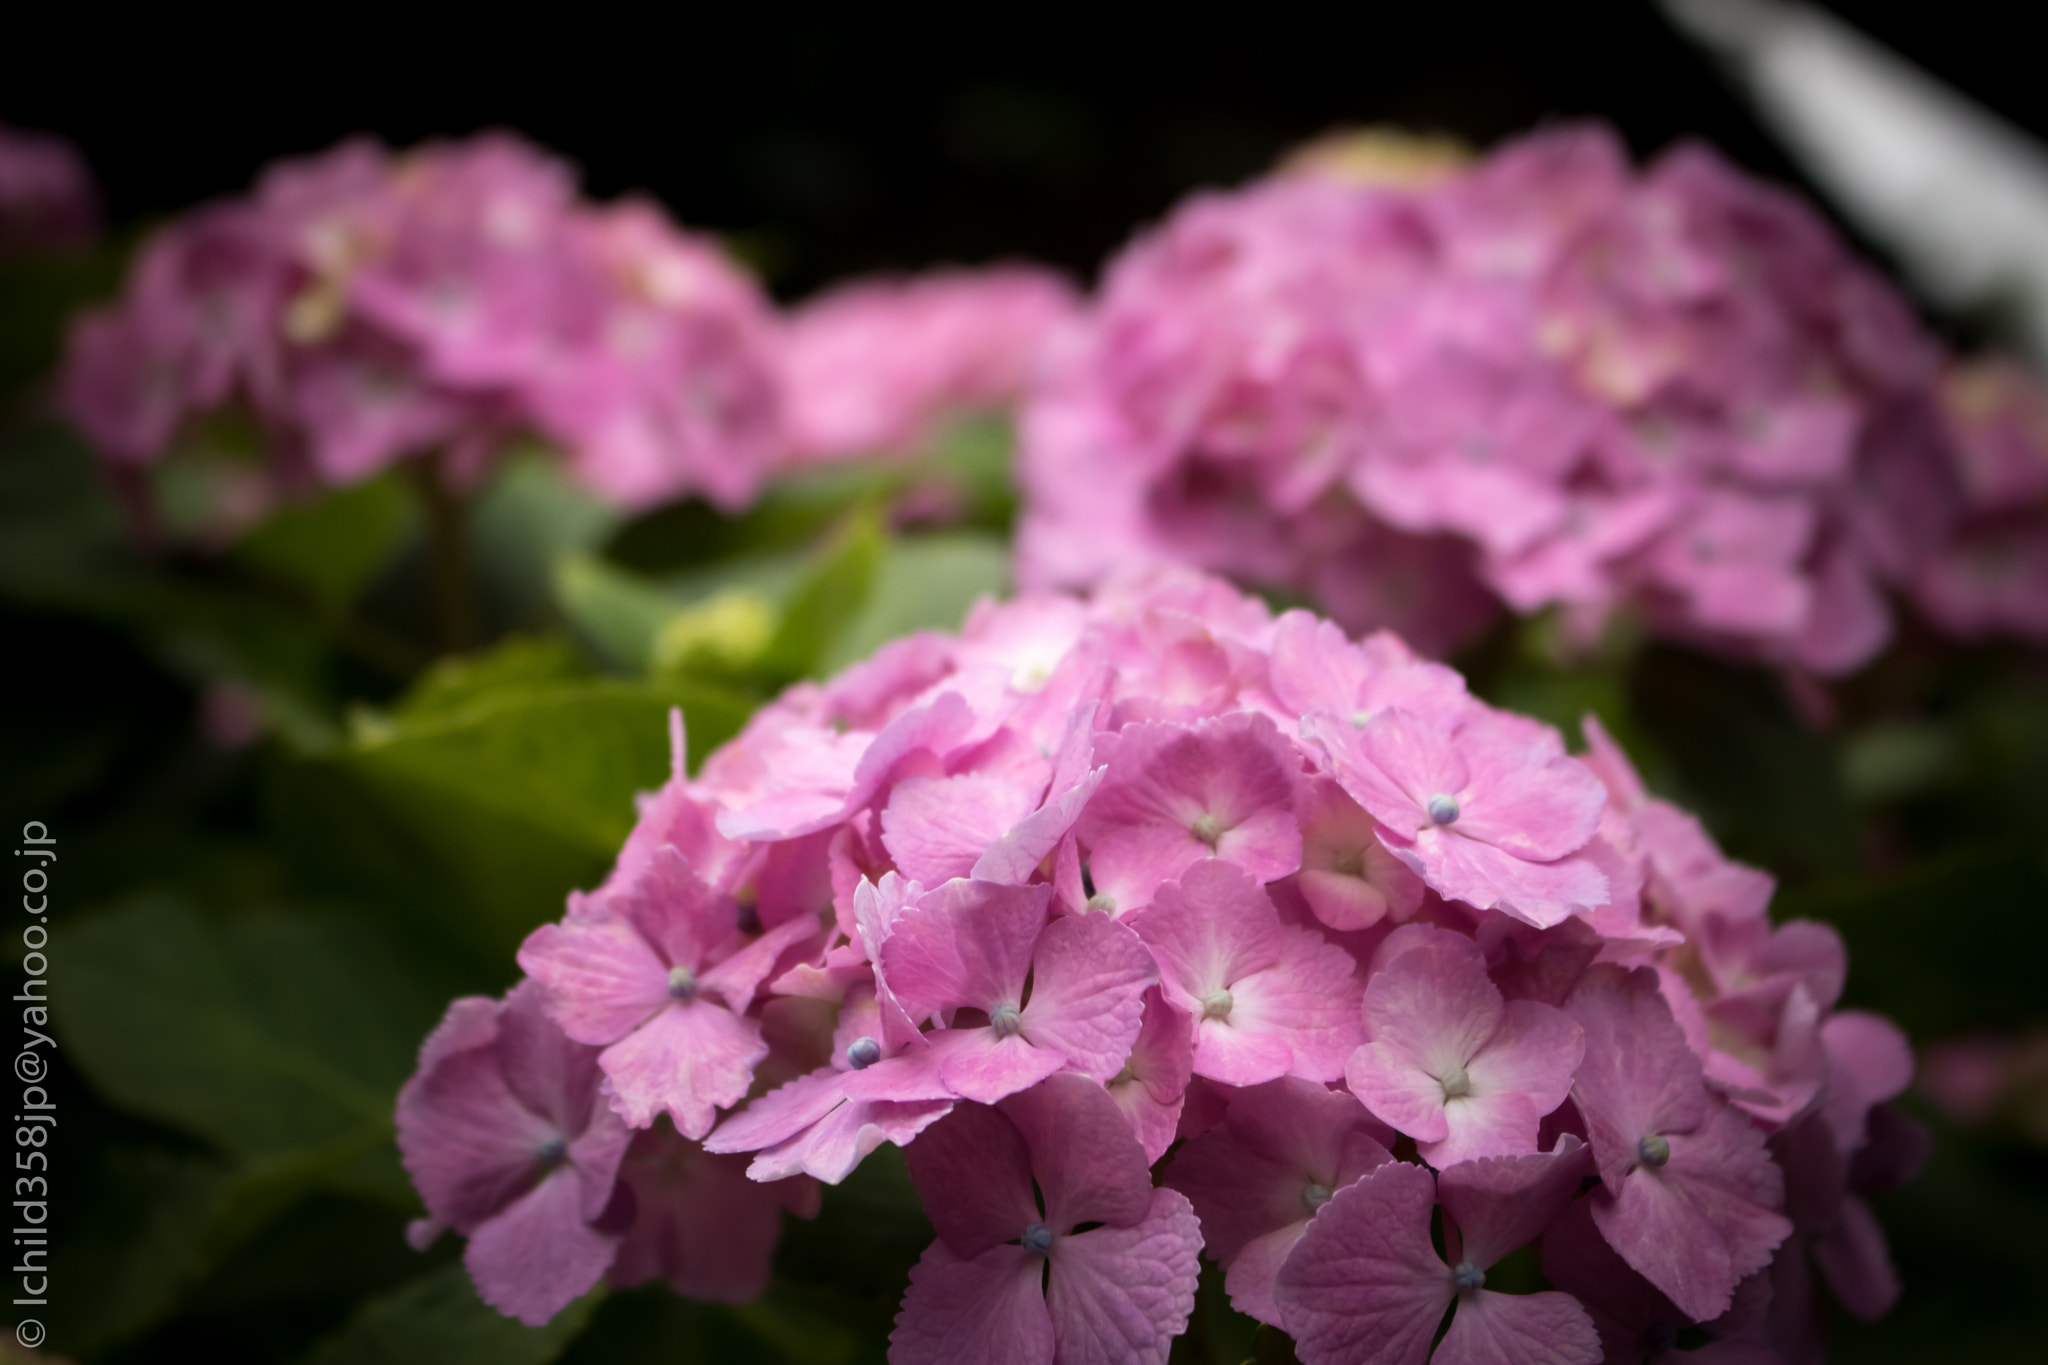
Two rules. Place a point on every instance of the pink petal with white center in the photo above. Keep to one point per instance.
(1364, 1286)
(1088, 980)
(973, 1175)
(1347, 876)
(692, 1059)
(1519, 1329)
(539, 1256)
(1392, 765)
(1527, 796)
(1176, 794)
(1308, 999)
(1211, 926)
(1500, 1203)
(1431, 1003)
(1521, 1075)
(1449, 1063)
(1088, 1166)
(1703, 1221)
(964, 943)
(989, 1310)
(601, 977)
(1122, 1294)
(937, 828)
(1268, 998)
(829, 1149)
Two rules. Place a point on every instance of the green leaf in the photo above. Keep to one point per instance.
(530, 515)
(921, 583)
(437, 1319)
(472, 819)
(619, 613)
(653, 1326)
(329, 547)
(280, 1039)
(826, 602)
(464, 682)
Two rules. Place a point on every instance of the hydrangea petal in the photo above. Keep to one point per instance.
(1119, 1294)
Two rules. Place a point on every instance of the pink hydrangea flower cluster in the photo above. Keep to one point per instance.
(1991, 577)
(873, 366)
(1545, 379)
(1158, 882)
(47, 198)
(365, 306)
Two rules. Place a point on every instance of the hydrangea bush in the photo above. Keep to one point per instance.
(1545, 379)
(1152, 925)
(362, 307)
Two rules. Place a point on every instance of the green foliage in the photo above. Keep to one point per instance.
(437, 1319)
(502, 783)
(330, 547)
(921, 583)
(275, 1042)
(279, 1040)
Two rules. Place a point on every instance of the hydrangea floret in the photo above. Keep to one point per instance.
(1152, 925)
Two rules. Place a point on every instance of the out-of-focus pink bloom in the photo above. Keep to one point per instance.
(1991, 575)
(47, 198)
(508, 1141)
(1009, 1280)
(874, 366)
(1365, 1285)
(365, 308)
(1543, 378)
(1256, 1180)
(1453, 1065)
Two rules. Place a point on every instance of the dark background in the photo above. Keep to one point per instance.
(827, 144)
